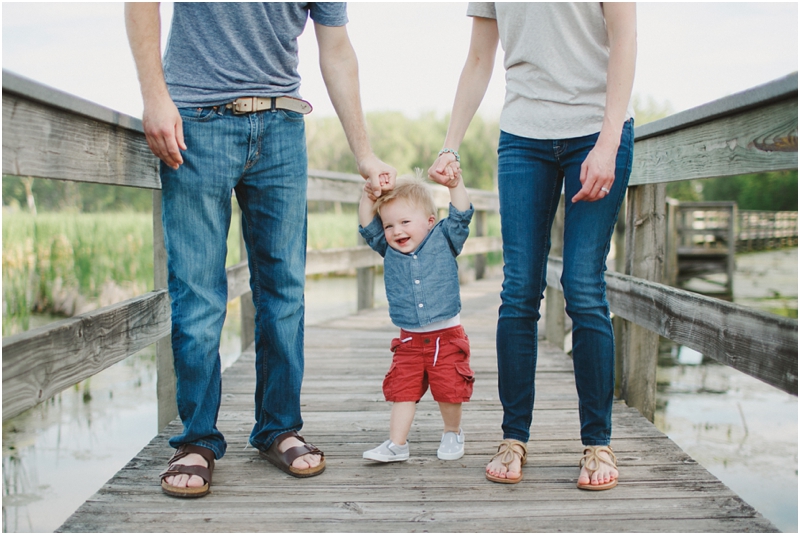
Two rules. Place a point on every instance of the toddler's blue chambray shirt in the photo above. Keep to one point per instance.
(422, 286)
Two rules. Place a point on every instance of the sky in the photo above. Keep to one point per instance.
(411, 54)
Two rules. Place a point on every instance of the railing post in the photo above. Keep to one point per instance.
(246, 306)
(731, 265)
(644, 258)
(165, 367)
(554, 323)
(365, 284)
(481, 229)
(671, 256)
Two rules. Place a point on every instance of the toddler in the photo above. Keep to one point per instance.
(421, 278)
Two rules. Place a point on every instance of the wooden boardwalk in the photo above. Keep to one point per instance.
(661, 488)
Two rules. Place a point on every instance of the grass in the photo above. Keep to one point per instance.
(55, 263)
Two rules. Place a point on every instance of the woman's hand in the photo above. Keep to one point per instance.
(597, 174)
(446, 170)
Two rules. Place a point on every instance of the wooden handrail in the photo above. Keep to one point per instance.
(49, 134)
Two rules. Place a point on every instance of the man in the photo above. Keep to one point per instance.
(224, 112)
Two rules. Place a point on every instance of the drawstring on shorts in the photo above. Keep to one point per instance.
(436, 353)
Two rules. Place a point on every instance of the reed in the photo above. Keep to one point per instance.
(65, 263)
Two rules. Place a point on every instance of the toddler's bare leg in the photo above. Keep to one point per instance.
(400, 421)
(451, 415)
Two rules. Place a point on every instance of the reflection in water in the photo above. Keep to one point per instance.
(740, 429)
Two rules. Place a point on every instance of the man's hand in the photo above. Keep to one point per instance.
(379, 175)
(597, 174)
(163, 129)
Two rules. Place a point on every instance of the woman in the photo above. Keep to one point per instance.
(567, 120)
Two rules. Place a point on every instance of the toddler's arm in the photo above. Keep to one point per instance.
(459, 197)
(365, 206)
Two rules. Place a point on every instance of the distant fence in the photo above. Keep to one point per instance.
(703, 238)
(49, 134)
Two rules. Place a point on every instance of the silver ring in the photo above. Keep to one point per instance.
(604, 190)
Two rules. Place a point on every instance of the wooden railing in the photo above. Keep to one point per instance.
(49, 134)
(749, 132)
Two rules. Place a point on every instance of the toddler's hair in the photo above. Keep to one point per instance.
(413, 190)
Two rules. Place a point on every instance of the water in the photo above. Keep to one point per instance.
(741, 430)
(58, 454)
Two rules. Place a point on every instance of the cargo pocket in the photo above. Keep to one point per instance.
(468, 377)
(463, 345)
(389, 388)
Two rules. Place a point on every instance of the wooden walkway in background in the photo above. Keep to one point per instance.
(661, 488)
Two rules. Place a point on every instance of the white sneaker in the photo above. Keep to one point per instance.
(452, 446)
(388, 452)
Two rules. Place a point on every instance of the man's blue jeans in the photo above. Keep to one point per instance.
(530, 176)
(262, 156)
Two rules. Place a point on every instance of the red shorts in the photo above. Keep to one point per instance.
(437, 358)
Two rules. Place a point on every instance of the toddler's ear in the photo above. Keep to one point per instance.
(431, 222)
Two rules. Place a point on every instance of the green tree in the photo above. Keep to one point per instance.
(774, 191)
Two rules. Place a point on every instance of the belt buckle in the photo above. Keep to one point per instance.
(243, 105)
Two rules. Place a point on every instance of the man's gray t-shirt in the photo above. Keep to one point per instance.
(220, 51)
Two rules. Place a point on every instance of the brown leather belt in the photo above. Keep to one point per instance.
(250, 104)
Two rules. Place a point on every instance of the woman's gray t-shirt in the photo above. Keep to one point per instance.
(556, 61)
(220, 51)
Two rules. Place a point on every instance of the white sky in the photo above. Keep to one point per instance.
(411, 54)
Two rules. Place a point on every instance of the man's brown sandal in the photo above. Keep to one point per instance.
(508, 451)
(284, 460)
(591, 460)
(178, 469)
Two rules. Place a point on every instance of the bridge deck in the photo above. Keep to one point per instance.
(661, 488)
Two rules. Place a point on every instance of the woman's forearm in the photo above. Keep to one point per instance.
(474, 79)
(621, 24)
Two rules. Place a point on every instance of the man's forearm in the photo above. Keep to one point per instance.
(339, 67)
(143, 25)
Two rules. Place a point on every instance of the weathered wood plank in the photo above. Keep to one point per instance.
(47, 142)
(347, 188)
(760, 344)
(39, 363)
(661, 488)
(762, 139)
(166, 387)
(755, 97)
(757, 343)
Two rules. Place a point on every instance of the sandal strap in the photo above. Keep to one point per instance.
(193, 470)
(190, 470)
(591, 460)
(291, 454)
(185, 449)
(507, 450)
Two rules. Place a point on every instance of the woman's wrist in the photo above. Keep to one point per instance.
(454, 152)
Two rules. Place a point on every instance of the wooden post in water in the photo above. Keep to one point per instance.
(481, 229)
(554, 323)
(246, 306)
(365, 284)
(644, 258)
(165, 367)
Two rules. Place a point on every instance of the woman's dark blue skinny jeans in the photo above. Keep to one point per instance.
(530, 175)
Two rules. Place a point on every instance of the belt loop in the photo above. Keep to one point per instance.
(272, 104)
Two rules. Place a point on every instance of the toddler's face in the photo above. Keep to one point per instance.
(404, 225)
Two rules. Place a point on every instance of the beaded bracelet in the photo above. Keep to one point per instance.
(451, 151)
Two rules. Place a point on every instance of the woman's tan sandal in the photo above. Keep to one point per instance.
(178, 469)
(508, 450)
(284, 460)
(591, 460)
